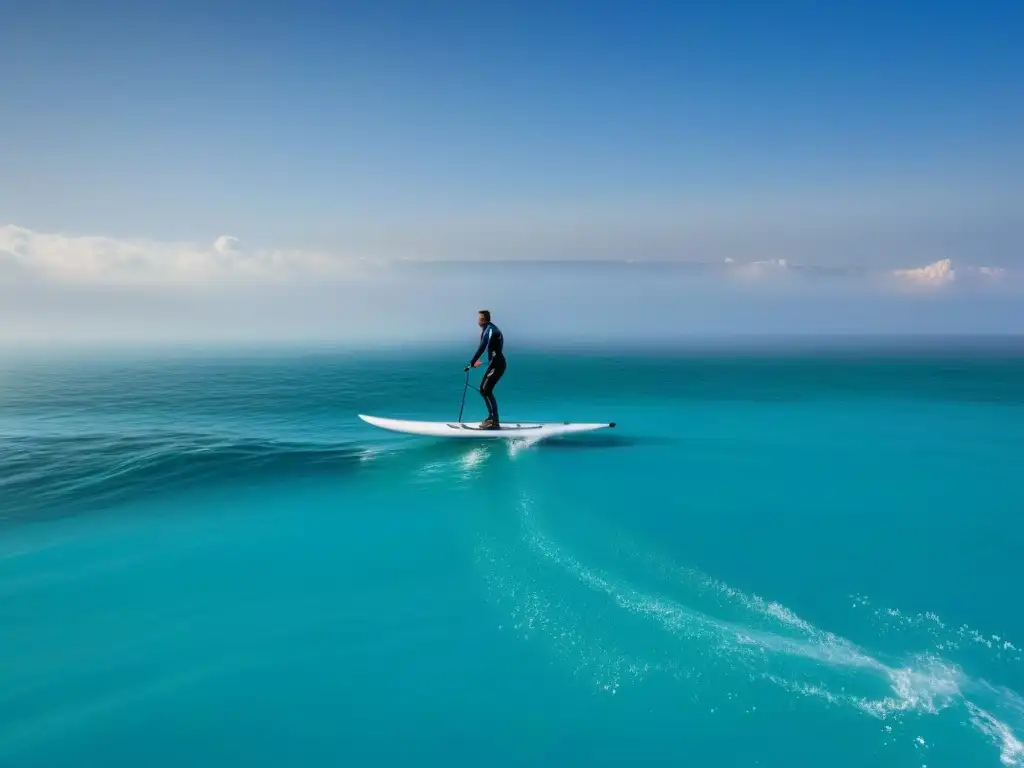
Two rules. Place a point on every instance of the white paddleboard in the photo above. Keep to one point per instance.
(514, 429)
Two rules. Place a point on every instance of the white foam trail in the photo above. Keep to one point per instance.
(519, 444)
(535, 613)
(465, 465)
(471, 459)
(1011, 751)
(942, 636)
(926, 685)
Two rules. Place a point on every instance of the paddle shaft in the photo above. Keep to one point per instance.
(464, 390)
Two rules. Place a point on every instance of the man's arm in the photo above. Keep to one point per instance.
(485, 337)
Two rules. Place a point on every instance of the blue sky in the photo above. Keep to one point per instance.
(863, 135)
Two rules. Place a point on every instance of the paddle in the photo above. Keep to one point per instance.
(466, 387)
(464, 390)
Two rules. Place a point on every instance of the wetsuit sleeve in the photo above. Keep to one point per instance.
(485, 337)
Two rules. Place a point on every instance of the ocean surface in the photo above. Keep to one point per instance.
(788, 558)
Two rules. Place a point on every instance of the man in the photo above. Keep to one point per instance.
(493, 342)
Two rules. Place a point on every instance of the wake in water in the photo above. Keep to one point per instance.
(609, 633)
(48, 476)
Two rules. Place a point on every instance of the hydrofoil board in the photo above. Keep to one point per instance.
(513, 429)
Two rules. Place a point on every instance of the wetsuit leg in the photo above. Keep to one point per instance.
(494, 372)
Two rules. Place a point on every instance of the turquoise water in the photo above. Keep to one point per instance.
(774, 560)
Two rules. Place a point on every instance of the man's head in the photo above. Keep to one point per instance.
(483, 317)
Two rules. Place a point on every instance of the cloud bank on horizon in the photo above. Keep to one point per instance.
(65, 288)
(100, 260)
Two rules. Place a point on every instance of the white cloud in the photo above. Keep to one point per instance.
(937, 273)
(993, 272)
(757, 270)
(84, 259)
(227, 244)
(943, 273)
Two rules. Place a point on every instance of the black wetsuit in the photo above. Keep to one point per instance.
(493, 342)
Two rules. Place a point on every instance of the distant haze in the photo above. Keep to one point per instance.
(68, 289)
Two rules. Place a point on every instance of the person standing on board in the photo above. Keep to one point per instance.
(493, 342)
